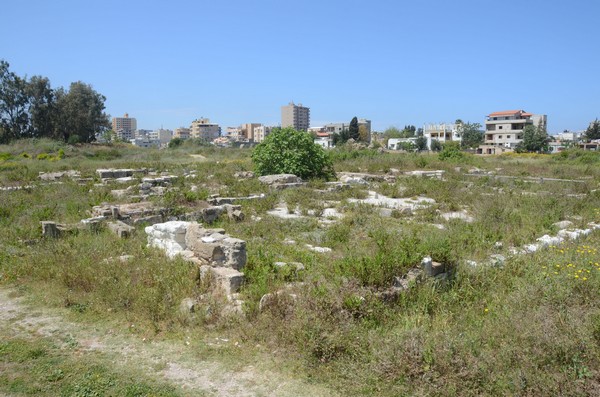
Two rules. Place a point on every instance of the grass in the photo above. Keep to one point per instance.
(39, 368)
(529, 328)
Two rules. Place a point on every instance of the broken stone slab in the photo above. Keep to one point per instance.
(318, 249)
(148, 220)
(426, 173)
(460, 215)
(226, 280)
(379, 200)
(243, 175)
(360, 177)
(121, 229)
(54, 176)
(279, 179)
(52, 229)
(128, 212)
(215, 250)
(353, 180)
(211, 214)
(217, 200)
(431, 268)
(563, 225)
(168, 236)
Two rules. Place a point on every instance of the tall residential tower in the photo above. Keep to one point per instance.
(296, 116)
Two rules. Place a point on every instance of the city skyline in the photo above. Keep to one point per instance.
(391, 62)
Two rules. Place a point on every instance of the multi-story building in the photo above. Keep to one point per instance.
(181, 133)
(234, 133)
(296, 116)
(261, 132)
(161, 136)
(504, 130)
(247, 131)
(124, 127)
(203, 129)
(442, 132)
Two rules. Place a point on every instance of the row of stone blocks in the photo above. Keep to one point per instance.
(218, 255)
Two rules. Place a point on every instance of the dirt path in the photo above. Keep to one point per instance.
(176, 363)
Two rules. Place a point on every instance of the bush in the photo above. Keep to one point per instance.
(287, 151)
(451, 151)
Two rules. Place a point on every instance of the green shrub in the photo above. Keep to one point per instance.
(43, 156)
(287, 151)
(451, 151)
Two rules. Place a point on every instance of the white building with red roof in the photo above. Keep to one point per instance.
(504, 130)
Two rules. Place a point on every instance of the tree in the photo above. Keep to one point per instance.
(407, 146)
(409, 131)
(42, 106)
(421, 143)
(175, 142)
(288, 151)
(353, 131)
(471, 134)
(593, 131)
(436, 145)
(363, 133)
(390, 133)
(535, 139)
(14, 117)
(80, 113)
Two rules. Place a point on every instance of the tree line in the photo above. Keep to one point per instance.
(31, 108)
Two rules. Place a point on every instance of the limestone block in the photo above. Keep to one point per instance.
(225, 279)
(431, 268)
(279, 179)
(121, 229)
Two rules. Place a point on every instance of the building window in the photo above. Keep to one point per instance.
(499, 136)
(499, 127)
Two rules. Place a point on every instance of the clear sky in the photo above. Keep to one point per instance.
(395, 62)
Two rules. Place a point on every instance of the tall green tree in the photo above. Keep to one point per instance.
(593, 131)
(353, 131)
(535, 139)
(14, 104)
(42, 107)
(80, 113)
(471, 134)
(409, 131)
(421, 143)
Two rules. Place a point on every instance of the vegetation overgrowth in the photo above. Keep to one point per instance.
(531, 327)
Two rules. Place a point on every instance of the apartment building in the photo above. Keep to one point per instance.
(161, 136)
(442, 132)
(504, 130)
(124, 127)
(296, 116)
(247, 131)
(261, 132)
(181, 133)
(202, 128)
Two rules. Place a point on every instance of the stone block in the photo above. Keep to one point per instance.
(121, 229)
(225, 279)
(279, 179)
(431, 268)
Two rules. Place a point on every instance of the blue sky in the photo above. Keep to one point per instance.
(394, 62)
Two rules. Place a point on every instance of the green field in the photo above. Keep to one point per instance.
(529, 327)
